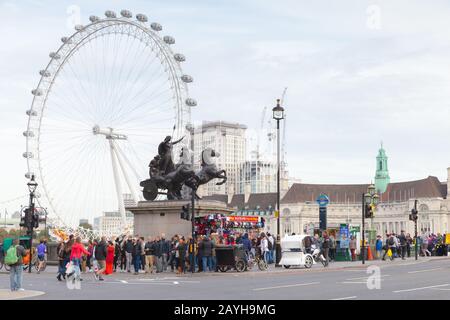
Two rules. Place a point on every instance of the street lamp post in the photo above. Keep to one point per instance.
(32, 185)
(369, 202)
(278, 115)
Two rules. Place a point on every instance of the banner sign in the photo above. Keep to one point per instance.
(243, 219)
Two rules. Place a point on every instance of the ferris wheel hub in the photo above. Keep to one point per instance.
(108, 133)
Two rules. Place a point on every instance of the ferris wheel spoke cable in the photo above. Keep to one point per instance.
(147, 99)
(84, 94)
(74, 112)
(154, 111)
(131, 70)
(149, 62)
(60, 167)
(127, 98)
(144, 103)
(160, 72)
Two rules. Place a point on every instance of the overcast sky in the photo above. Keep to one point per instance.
(358, 72)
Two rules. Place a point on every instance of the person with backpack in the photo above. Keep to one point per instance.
(403, 244)
(14, 259)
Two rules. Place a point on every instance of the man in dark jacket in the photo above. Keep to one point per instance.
(246, 243)
(205, 248)
(325, 247)
(165, 250)
(403, 244)
(128, 249)
(158, 254)
(137, 252)
(100, 256)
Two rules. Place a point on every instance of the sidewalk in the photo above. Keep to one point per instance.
(6, 294)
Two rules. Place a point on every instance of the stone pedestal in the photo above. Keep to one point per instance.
(151, 218)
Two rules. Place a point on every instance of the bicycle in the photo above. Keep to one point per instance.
(261, 263)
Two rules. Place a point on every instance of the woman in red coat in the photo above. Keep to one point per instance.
(109, 258)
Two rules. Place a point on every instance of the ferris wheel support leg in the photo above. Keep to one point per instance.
(117, 182)
(120, 155)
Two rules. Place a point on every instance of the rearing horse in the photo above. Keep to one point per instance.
(208, 172)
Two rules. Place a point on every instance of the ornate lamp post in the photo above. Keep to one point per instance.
(32, 186)
(370, 200)
(278, 115)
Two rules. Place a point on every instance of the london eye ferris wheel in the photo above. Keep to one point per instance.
(109, 94)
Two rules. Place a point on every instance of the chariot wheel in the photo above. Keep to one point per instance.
(150, 191)
(286, 266)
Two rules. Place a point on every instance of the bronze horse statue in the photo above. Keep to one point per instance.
(208, 172)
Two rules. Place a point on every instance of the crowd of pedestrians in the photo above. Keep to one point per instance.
(155, 254)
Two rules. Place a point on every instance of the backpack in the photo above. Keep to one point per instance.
(11, 257)
(391, 241)
(269, 245)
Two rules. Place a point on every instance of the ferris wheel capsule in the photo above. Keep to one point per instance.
(156, 26)
(66, 40)
(54, 55)
(110, 14)
(179, 57)
(44, 73)
(126, 14)
(27, 155)
(94, 19)
(187, 78)
(141, 17)
(169, 39)
(31, 113)
(79, 27)
(28, 175)
(28, 133)
(36, 92)
(191, 102)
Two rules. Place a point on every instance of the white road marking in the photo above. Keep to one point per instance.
(440, 289)
(123, 281)
(353, 282)
(424, 270)
(422, 288)
(176, 282)
(366, 277)
(345, 298)
(287, 286)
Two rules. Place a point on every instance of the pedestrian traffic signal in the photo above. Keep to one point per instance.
(414, 215)
(185, 213)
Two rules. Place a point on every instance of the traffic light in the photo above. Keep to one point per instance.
(368, 212)
(35, 220)
(414, 214)
(23, 219)
(184, 214)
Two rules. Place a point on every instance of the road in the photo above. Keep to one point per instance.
(427, 278)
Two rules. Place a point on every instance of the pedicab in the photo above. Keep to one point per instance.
(231, 257)
(293, 252)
